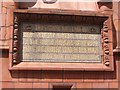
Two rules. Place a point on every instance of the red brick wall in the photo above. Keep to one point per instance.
(44, 78)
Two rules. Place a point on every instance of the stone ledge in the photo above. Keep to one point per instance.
(4, 47)
(117, 50)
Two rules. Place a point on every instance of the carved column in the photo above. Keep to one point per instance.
(116, 22)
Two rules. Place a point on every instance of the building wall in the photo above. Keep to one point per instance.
(47, 78)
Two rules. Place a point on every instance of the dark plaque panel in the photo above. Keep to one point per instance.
(60, 42)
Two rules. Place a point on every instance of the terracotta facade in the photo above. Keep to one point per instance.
(54, 76)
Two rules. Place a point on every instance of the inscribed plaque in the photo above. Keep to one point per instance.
(60, 42)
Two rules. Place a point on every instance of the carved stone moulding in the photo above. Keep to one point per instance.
(106, 42)
(104, 21)
(15, 40)
(105, 5)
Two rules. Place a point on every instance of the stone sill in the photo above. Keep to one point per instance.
(4, 47)
(117, 50)
(61, 66)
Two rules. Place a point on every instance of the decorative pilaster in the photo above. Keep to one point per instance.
(116, 22)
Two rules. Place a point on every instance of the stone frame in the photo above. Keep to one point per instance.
(107, 44)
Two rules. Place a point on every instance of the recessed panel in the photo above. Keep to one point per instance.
(46, 41)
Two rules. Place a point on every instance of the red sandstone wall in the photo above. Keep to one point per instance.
(45, 79)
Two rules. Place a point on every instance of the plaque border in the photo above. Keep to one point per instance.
(106, 40)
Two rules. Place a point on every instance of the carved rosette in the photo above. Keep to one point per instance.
(15, 40)
(105, 44)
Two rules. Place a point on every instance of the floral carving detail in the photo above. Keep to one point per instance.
(106, 46)
(106, 57)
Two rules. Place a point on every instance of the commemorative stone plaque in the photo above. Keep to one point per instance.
(55, 41)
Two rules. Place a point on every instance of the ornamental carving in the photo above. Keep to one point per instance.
(28, 27)
(15, 40)
(105, 38)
